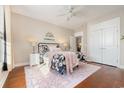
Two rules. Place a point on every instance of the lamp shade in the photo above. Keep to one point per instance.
(65, 44)
(33, 41)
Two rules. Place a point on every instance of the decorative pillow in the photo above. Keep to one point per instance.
(54, 49)
(58, 63)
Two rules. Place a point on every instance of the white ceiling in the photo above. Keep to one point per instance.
(49, 13)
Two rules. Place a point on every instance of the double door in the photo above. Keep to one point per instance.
(103, 43)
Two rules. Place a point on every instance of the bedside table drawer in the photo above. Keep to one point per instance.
(34, 59)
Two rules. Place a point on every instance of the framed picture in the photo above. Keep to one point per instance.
(49, 38)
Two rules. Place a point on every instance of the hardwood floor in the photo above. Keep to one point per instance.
(16, 78)
(106, 77)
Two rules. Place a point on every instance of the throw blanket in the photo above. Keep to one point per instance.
(58, 63)
(70, 60)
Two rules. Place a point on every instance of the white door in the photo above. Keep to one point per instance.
(110, 46)
(103, 46)
(95, 44)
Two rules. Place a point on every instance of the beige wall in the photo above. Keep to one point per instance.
(24, 28)
(108, 17)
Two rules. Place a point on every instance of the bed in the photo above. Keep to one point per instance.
(55, 53)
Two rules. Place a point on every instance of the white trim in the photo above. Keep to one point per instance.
(118, 41)
(87, 59)
(21, 64)
(3, 78)
(121, 66)
(78, 34)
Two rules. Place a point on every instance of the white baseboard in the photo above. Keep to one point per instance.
(88, 59)
(3, 78)
(121, 66)
(21, 64)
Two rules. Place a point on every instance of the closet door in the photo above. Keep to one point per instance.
(95, 45)
(103, 42)
(109, 49)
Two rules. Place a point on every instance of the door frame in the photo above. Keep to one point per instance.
(80, 34)
(117, 20)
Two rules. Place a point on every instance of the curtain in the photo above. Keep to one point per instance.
(5, 68)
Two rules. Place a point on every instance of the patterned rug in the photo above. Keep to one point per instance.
(43, 77)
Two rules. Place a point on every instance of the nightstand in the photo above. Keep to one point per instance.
(34, 59)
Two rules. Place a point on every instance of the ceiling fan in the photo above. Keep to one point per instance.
(70, 11)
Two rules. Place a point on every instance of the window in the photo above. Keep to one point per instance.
(1, 35)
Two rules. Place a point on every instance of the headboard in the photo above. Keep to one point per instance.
(44, 47)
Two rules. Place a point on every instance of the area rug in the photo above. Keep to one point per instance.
(43, 77)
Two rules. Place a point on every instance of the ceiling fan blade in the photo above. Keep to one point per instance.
(62, 14)
(69, 7)
(77, 8)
